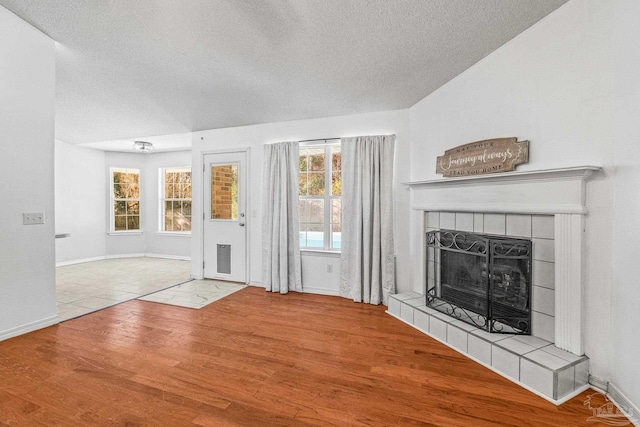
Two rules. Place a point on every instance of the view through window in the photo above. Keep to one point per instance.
(320, 191)
(125, 184)
(176, 200)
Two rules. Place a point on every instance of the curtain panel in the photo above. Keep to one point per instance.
(367, 253)
(281, 265)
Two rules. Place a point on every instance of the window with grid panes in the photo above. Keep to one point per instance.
(175, 203)
(125, 198)
(320, 191)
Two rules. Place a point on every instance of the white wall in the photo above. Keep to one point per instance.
(625, 144)
(554, 85)
(165, 244)
(27, 253)
(256, 136)
(80, 202)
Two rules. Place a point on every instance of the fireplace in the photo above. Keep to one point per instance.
(483, 280)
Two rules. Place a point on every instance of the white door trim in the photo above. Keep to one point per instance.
(248, 216)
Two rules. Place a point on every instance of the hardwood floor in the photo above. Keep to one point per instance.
(256, 359)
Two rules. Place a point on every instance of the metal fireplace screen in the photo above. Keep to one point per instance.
(480, 279)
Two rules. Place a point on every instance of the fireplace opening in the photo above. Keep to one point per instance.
(481, 279)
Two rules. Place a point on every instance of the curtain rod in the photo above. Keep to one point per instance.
(319, 139)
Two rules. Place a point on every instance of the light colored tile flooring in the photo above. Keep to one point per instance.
(194, 294)
(87, 287)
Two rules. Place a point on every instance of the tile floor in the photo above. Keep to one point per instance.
(87, 287)
(194, 294)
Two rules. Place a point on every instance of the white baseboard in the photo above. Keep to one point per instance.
(256, 284)
(627, 407)
(178, 257)
(29, 327)
(102, 258)
(119, 256)
(79, 261)
(320, 291)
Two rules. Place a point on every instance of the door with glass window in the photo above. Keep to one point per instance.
(225, 226)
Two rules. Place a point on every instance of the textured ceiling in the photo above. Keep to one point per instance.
(129, 69)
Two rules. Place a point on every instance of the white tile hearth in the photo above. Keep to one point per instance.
(530, 361)
(195, 294)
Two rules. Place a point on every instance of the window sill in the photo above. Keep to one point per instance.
(322, 252)
(124, 233)
(174, 233)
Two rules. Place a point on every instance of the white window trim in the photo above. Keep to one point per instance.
(327, 144)
(161, 199)
(112, 216)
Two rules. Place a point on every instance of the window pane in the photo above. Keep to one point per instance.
(316, 160)
(315, 211)
(336, 183)
(336, 211)
(187, 190)
(224, 192)
(119, 208)
(185, 224)
(133, 222)
(120, 223)
(302, 188)
(303, 239)
(168, 190)
(303, 161)
(133, 208)
(336, 159)
(336, 236)
(316, 183)
(168, 216)
(302, 210)
(315, 235)
(186, 208)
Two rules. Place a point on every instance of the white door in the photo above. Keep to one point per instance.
(225, 189)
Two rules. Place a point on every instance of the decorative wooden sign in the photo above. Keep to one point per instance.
(483, 157)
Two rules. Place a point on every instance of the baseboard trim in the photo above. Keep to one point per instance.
(29, 327)
(598, 384)
(178, 257)
(121, 256)
(256, 284)
(625, 406)
(320, 291)
(102, 258)
(79, 261)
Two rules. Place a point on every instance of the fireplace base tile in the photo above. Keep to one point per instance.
(527, 360)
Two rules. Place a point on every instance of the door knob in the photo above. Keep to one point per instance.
(241, 224)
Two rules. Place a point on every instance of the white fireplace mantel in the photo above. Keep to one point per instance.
(548, 191)
(558, 192)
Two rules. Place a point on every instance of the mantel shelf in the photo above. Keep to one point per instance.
(580, 172)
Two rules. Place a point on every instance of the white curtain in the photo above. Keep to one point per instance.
(281, 266)
(367, 250)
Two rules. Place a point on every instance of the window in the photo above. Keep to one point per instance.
(175, 200)
(125, 192)
(320, 202)
(224, 191)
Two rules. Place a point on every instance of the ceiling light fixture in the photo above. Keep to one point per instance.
(142, 146)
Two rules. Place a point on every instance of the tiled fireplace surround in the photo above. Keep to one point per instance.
(547, 206)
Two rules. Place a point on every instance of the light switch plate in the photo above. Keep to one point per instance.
(33, 218)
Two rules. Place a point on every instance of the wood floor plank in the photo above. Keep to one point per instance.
(256, 359)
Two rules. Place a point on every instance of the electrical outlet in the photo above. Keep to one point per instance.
(329, 268)
(33, 218)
